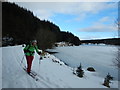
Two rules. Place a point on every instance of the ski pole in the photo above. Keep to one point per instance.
(39, 62)
(22, 59)
(39, 65)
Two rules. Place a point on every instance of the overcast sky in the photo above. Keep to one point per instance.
(87, 20)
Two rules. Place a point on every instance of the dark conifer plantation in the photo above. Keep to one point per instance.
(20, 26)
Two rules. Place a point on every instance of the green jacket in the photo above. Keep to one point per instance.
(30, 50)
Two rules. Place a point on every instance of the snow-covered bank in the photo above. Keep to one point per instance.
(52, 72)
(100, 57)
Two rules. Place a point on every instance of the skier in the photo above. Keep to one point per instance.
(29, 51)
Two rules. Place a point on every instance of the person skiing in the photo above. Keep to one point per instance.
(29, 51)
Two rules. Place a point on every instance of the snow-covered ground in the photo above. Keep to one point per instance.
(51, 73)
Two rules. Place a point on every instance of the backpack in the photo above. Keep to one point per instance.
(29, 46)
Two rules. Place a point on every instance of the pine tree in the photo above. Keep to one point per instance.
(107, 80)
(79, 71)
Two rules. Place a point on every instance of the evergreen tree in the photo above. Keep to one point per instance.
(79, 71)
(107, 80)
(21, 26)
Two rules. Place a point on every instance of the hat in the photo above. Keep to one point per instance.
(34, 41)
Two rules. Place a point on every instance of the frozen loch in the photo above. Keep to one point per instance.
(101, 57)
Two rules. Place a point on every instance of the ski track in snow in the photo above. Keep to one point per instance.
(15, 55)
(51, 74)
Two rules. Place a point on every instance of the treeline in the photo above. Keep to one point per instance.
(19, 26)
(110, 41)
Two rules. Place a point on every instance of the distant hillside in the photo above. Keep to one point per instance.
(20, 26)
(111, 41)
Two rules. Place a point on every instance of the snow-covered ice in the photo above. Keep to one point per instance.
(52, 72)
(101, 57)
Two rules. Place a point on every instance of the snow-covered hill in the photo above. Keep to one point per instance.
(52, 73)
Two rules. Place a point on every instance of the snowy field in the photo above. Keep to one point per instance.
(51, 74)
(101, 57)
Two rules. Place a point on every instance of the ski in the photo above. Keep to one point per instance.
(32, 72)
(33, 75)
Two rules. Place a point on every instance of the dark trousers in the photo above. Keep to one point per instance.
(29, 62)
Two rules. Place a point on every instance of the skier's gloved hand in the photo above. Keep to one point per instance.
(39, 53)
(25, 51)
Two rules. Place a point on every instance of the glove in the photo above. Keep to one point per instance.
(25, 51)
(39, 53)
